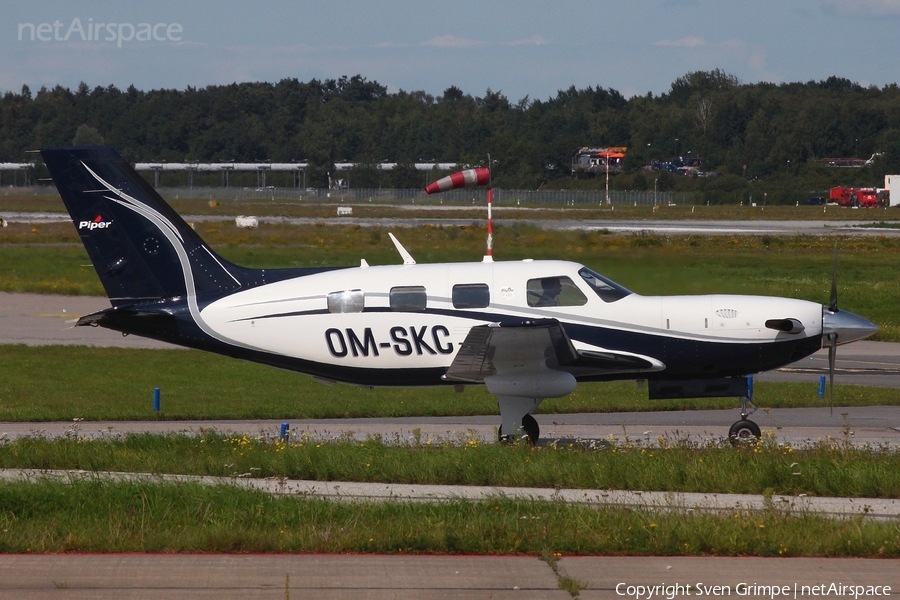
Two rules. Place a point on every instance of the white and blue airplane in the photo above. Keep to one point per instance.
(528, 330)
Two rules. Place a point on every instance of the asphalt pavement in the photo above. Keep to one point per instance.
(327, 577)
(758, 226)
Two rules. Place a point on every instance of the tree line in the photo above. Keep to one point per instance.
(757, 136)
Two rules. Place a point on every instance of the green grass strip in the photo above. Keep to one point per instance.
(49, 259)
(824, 469)
(52, 383)
(101, 516)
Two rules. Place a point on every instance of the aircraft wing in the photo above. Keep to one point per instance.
(534, 347)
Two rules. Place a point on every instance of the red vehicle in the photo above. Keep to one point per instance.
(855, 197)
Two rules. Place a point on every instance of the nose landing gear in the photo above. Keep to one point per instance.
(745, 429)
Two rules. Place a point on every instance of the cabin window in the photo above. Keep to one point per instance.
(347, 301)
(471, 295)
(554, 291)
(408, 298)
(608, 290)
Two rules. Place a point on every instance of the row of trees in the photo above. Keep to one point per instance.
(761, 131)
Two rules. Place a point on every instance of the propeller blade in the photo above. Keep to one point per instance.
(833, 303)
(832, 358)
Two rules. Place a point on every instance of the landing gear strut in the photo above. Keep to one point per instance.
(516, 419)
(529, 426)
(745, 429)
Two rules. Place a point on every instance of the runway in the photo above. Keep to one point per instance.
(327, 577)
(659, 226)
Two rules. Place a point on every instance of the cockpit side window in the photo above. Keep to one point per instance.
(347, 301)
(608, 290)
(554, 291)
(471, 295)
(408, 298)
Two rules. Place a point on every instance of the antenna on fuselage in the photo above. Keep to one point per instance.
(406, 256)
(470, 178)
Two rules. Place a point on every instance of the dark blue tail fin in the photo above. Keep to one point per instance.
(142, 250)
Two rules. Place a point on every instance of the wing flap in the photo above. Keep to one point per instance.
(508, 350)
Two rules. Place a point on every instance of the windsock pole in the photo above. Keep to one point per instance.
(489, 254)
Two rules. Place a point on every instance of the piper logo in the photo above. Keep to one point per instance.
(97, 223)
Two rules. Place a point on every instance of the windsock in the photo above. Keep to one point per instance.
(467, 178)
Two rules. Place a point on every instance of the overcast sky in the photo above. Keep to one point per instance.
(518, 47)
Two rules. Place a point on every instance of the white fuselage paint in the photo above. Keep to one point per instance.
(290, 317)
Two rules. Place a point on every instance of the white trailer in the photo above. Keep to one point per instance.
(892, 185)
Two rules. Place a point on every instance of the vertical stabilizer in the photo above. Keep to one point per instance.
(142, 250)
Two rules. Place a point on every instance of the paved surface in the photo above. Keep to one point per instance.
(661, 226)
(860, 424)
(326, 577)
(44, 319)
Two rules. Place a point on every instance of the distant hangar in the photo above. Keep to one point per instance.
(261, 168)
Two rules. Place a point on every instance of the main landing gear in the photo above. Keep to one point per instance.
(745, 429)
(516, 420)
(529, 427)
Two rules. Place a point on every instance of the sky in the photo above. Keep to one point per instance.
(520, 48)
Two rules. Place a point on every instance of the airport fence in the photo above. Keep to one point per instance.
(417, 196)
(461, 197)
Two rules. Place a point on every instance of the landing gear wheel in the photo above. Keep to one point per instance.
(529, 426)
(743, 431)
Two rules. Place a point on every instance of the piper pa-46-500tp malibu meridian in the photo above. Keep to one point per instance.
(528, 330)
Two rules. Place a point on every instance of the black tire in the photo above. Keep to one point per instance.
(744, 430)
(529, 426)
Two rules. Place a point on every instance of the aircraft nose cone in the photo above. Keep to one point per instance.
(848, 326)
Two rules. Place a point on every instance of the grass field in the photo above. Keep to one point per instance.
(52, 383)
(99, 515)
(827, 468)
(108, 517)
(49, 259)
(61, 383)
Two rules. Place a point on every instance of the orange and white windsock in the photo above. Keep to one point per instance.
(467, 178)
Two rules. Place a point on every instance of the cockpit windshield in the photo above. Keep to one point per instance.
(608, 290)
